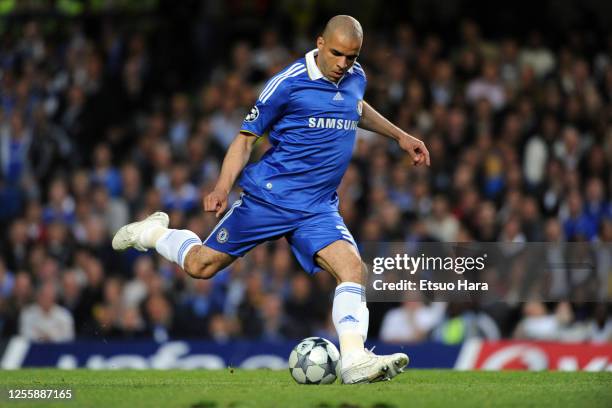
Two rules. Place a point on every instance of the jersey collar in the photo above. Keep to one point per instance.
(314, 72)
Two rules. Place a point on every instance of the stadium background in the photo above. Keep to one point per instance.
(111, 110)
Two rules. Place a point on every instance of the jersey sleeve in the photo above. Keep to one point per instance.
(271, 103)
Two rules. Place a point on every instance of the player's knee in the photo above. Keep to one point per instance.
(353, 271)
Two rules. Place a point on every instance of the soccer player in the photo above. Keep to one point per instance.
(312, 110)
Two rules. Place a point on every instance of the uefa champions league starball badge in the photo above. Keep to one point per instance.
(360, 107)
(253, 114)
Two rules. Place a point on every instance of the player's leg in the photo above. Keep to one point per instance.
(350, 313)
(324, 242)
(248, 223)
(203, 262)
(182, 247)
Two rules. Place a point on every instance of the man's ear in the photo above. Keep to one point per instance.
(320, 43)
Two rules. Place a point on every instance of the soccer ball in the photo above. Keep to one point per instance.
(314, 361)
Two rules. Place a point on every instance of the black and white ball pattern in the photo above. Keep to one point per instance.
(314, 360)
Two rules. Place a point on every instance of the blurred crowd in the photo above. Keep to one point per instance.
(520, 136)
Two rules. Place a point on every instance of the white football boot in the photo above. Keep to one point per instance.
(129, 235)
(369, 368)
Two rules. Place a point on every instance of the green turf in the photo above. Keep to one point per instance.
(264, 388)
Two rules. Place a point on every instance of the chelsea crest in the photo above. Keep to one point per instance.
(222, 236)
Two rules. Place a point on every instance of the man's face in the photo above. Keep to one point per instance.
(337, 54)
(46, 297)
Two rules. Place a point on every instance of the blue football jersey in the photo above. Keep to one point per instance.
(312, 123)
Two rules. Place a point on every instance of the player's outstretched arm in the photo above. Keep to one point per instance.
(374, 121)
(236, 158)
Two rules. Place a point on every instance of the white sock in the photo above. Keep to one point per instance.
(364, 320)
(348, 313)
(175, 244)
(148, 238)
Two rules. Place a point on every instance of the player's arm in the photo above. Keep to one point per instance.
(236, 158)
(375, 122)
(268, 107)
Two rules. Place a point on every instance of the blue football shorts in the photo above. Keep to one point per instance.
(251, 221)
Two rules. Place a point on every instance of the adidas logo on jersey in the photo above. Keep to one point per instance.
(338, 96)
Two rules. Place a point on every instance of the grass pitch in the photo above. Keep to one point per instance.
(265, 388)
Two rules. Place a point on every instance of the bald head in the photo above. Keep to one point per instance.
(339, 46)
(345, 26)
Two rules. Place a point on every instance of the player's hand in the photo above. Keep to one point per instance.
(416, 149)
(216, 201)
